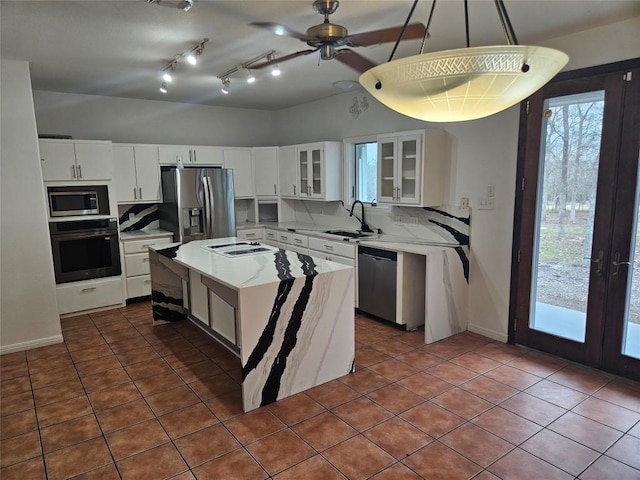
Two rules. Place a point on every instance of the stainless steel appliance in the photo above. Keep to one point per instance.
(197, 203)
(85, 249)
(78, 200)
(377, 282)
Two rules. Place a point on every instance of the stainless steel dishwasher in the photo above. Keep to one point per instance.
(377, 282)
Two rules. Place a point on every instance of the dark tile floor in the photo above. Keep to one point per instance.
(123, 399)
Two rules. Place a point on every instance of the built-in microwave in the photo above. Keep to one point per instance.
(78, 200)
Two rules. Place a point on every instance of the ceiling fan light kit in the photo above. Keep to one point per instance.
(465, 83)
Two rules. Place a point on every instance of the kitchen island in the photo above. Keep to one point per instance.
(289, 317)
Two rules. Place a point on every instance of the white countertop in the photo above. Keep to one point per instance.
(141, 234)
(246, 271)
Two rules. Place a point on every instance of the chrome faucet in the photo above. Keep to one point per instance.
(363, 225)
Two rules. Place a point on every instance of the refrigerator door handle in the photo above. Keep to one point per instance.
(208, 204)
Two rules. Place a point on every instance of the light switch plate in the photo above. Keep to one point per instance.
(486, 203)
(464, 202)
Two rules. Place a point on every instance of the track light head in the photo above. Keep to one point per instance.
(225, 86)
(192, 56)
(275, 68)
(167, 72)
(250, 77)
(163, 87)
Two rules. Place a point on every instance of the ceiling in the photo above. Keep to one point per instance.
(117, 48)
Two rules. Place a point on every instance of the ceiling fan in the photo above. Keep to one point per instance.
(328, 37)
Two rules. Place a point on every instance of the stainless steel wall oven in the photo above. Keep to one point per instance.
(85, 249)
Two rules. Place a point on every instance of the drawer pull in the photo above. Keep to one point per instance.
(88, 289)
(147, 282)
(329, 247)
(146, 259)
(249, 235)
(297, 240)
(147, 245)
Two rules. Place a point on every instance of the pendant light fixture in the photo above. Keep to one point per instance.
(465, 83)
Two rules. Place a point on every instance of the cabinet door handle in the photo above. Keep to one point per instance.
(294, 189)
(140, 192)
(88, 289)
(275, 189)
(195, 158)
(135, 194)
(190, 161)
(79, 171)
(73, 171)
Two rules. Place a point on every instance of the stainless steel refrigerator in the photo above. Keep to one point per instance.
(197, 203)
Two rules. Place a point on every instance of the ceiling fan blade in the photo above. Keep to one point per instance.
(280, 30)
(354, 60)
(375, 37)
(291, 56)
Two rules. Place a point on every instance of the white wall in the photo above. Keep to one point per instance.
(28, 305)
(125, 120)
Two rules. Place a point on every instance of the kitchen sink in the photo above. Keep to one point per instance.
(348, 233)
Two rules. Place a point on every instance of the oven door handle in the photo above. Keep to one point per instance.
(83, 236)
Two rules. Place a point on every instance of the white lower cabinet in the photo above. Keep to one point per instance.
(339, 252)
(209, 309)
(254, 234)
(89, 294)
(136, 263)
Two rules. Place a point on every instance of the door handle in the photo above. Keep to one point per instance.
(616, 264)
(79, 171)
(140, 192)
(73, 171)
(135, 193)
(598, 261)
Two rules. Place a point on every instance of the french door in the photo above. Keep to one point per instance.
(576, 273)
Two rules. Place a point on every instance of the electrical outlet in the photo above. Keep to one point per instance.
(132, 216)
(397, 220)
(464, 202)
(491, 191)
(486, 203)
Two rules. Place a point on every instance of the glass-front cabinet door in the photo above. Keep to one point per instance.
(387, 187)
(303, 169)
(408, 172)
(316, 153)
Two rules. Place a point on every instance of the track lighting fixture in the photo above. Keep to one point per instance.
(163, 87)
(169, 68)
(244, 69)
(225, 86)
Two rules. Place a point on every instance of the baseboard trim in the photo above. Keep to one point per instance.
(31, 344)
(501, 337)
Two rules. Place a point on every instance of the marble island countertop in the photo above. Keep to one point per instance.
(245, 271)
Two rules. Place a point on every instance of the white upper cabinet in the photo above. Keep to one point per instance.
(288, 171)
(174, 154)
(314, 172)
(265, 169)
(64, 160)
(412, 168)
(137, 173)
(240, 161)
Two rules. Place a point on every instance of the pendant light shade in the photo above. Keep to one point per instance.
(465, 83)
(462, 84)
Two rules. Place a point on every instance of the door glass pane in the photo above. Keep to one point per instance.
(304, 174)
(387, 170)
(316, 185)
(409, 167)
(631, 338)
(568, 177)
